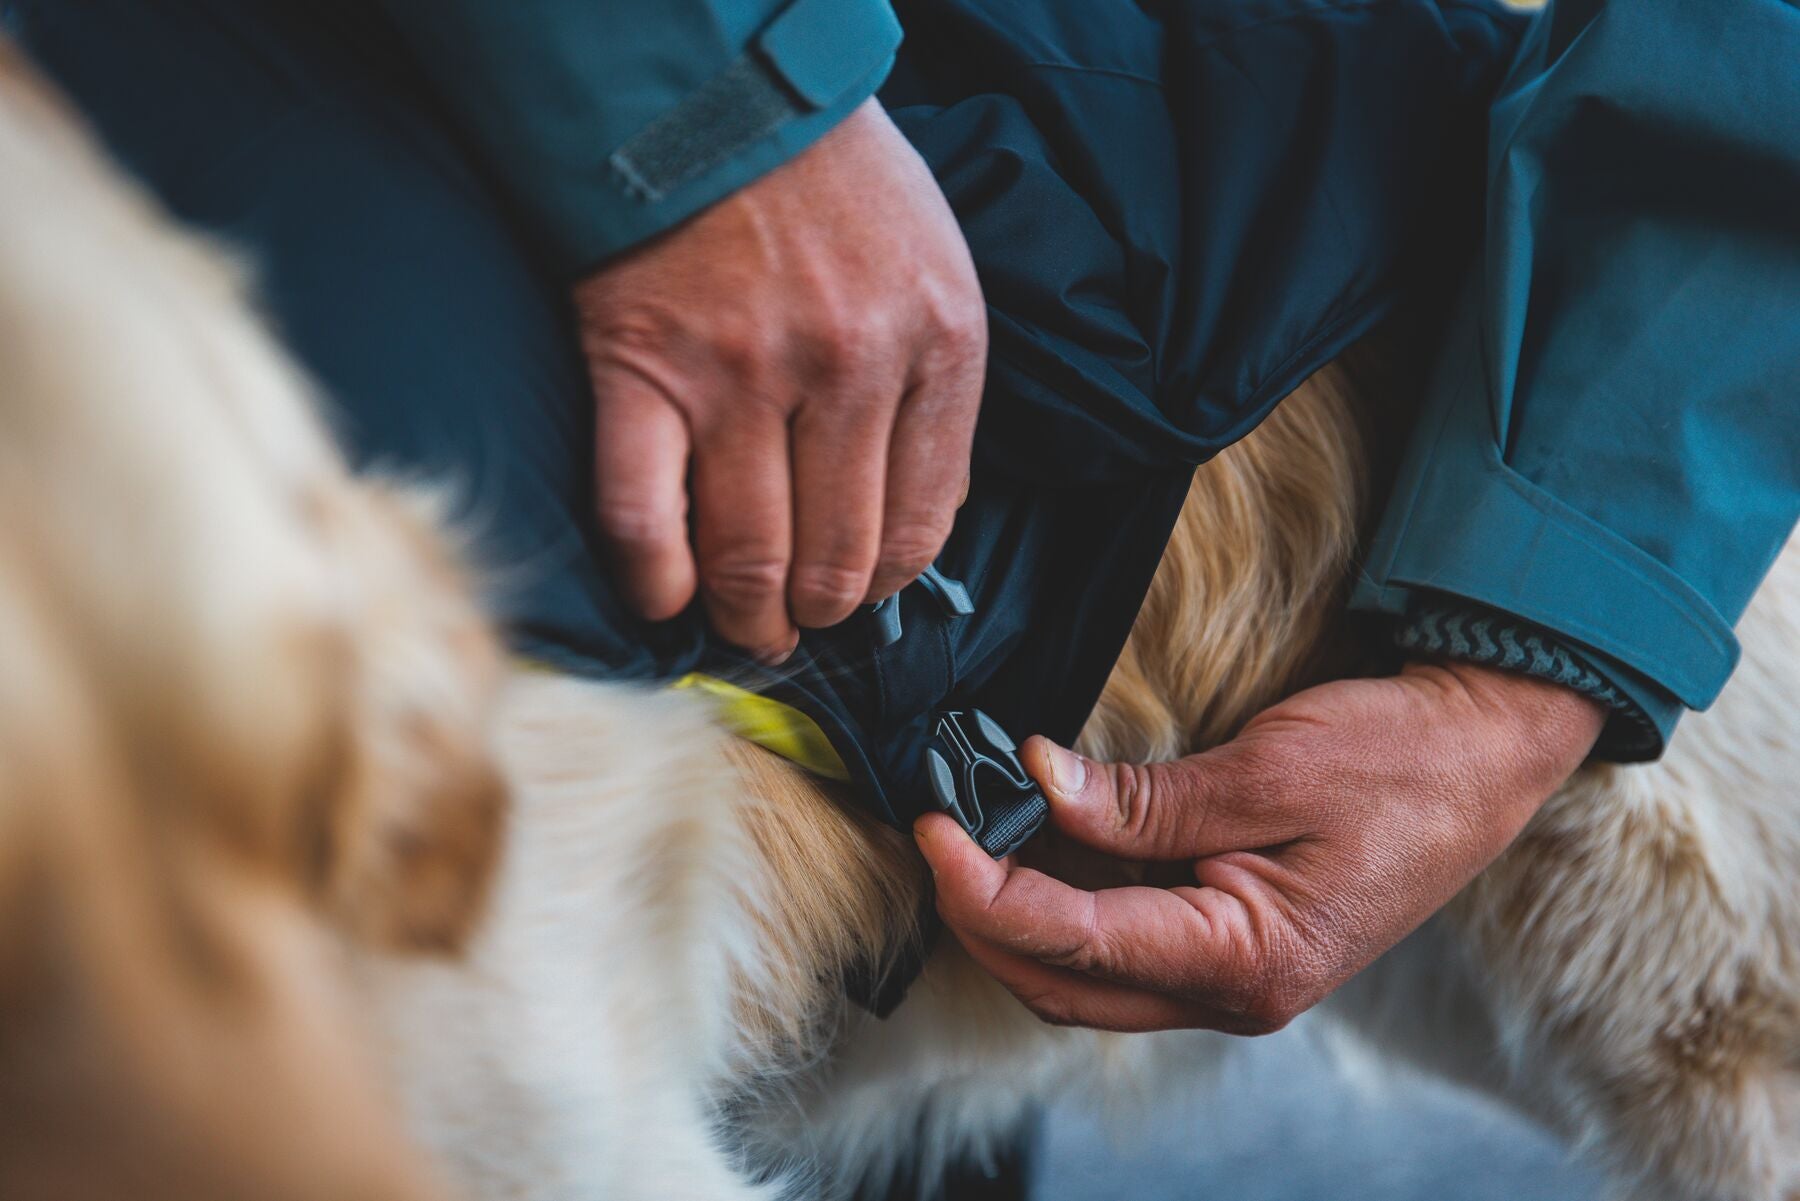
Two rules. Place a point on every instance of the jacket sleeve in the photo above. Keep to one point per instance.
(1611, 449)
(608, 121)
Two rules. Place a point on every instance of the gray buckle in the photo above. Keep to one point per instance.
(976, 778)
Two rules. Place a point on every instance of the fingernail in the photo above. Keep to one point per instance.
(1068, 771)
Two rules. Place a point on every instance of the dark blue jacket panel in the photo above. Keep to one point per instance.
(1611, 449)
(1177, 211)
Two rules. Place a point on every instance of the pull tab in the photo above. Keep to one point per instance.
(951, 595)
(977, 779)
(886, 616)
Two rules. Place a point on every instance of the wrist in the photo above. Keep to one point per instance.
(1559, 720)
(1464, 632)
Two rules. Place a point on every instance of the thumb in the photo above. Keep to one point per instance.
(1176, 810)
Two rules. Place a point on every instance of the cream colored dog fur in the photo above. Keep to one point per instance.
(249, 749)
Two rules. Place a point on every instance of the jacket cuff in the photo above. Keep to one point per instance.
(1464, 525)
(1472, 634)
(803, 74)
(604, 124)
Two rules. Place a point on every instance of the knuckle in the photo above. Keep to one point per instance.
(1259, 1025)
(745, 350)
(637, 524)
(830, 584)
(958, 326)
(1091, 950)
(1278, 988)
(840, 345)
(744, 580)
(956, 309)
(607, 331)
(1089, 954)
(909, 547)
(1050, 1008)
(830, 352)
(1268, 1012)
(967, 333)
(1134, 793)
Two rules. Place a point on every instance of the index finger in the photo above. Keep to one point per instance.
(640, 484)
(1068, 998)
(1217, 944)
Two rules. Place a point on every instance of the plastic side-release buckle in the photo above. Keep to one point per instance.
(977, 779)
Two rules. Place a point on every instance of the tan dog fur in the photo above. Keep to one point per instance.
(245, 766)
(243, 704)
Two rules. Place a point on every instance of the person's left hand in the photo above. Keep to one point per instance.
(1334, 824)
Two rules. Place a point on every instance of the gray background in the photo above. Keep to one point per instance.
(1289, 1122)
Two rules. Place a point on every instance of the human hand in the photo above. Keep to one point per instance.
(1335, 823)
(805, 358)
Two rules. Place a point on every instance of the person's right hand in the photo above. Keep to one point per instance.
(1333, 824)
(805, 358)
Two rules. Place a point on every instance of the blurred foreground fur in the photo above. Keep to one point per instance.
(243, 711)
(247, 777)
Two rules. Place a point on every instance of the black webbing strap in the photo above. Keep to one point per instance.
(977, 779)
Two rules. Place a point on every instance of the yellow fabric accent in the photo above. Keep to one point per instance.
(770, 724)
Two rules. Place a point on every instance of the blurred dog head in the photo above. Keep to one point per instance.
(243, 716)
